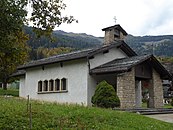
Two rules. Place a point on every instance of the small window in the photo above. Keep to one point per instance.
(61, 64)
(106, 51)
(63, 84)
(45, 85)
(51, 85)
(116, 33)
(57, 85)
(40, 86)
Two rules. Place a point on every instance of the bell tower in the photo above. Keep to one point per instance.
(113, 33)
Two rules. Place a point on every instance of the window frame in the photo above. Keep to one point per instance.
(52, 86)
(45, 85)
(40, 86)
(63, 82)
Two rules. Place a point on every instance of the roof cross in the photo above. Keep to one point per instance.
(115, 19)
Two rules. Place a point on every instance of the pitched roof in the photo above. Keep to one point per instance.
(78, 55)
(169, 67)
(18, 73)
(117, 26)
(125, 64)
(56, 59)
(119, 65)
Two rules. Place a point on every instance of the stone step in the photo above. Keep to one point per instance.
(156, 112)
(149, 111)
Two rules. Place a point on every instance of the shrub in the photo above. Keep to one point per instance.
(172, 102)
(105, 96)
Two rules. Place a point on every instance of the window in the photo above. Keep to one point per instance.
(40, 86)
(116, 33)
(45, 85)
(51, 85)
(57, 85)
(106, 51)
(63, 84)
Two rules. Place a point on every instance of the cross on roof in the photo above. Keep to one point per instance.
(115, 19)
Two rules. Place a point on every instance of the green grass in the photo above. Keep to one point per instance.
(168, 106)
(51, 116)
(144, 105)
(11, 92)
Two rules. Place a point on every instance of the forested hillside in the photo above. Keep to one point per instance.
(65, 42)
(157, 45)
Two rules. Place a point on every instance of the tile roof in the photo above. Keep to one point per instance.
(18, 73)
(169, 67)
(57, 58)
(117, 26)
(124, 64)
(119, 65)
(78, 55)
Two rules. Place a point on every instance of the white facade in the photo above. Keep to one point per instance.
(80, 84)
(22, 90)
(102, 58)
(99, 59)
(74, 71)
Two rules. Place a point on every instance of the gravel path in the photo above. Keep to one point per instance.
(162, 117)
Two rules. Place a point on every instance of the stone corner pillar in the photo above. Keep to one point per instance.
(156, 91)
(126, 89)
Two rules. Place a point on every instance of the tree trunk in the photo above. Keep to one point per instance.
(5, 86)
(4, 83)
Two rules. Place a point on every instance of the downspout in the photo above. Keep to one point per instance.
(88, 99)
(88, 65)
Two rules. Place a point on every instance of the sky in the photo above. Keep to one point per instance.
(137, 17)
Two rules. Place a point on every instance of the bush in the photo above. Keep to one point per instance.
(10, 92)
(105, 96)
(172, 102)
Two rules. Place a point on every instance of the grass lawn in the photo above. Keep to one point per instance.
(51, 116)
(144, 105)
(168, 106)
(11, 92)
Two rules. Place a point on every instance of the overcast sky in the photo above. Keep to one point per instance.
(137, 17)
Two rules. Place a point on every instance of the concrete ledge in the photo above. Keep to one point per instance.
(148, 111)
(48, 92)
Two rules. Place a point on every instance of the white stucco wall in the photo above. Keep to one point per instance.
(101, 58)
(22, 91)
(74, 71)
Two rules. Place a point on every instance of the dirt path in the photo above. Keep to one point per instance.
(162, 117)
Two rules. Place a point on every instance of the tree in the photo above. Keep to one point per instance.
(105, 96)
(45, 15)
(12, 55)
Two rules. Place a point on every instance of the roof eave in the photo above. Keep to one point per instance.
(116, 26)
(127, 49)
(48, 63)
(102, 49)
(164, 74)
(109, 71)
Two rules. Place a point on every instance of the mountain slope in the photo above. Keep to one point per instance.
(63, 39)
(157, 45)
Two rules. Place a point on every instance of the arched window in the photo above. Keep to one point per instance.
(57, 85)
(45, 85)
(63, 84)
(40, 85)
(51, 85)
